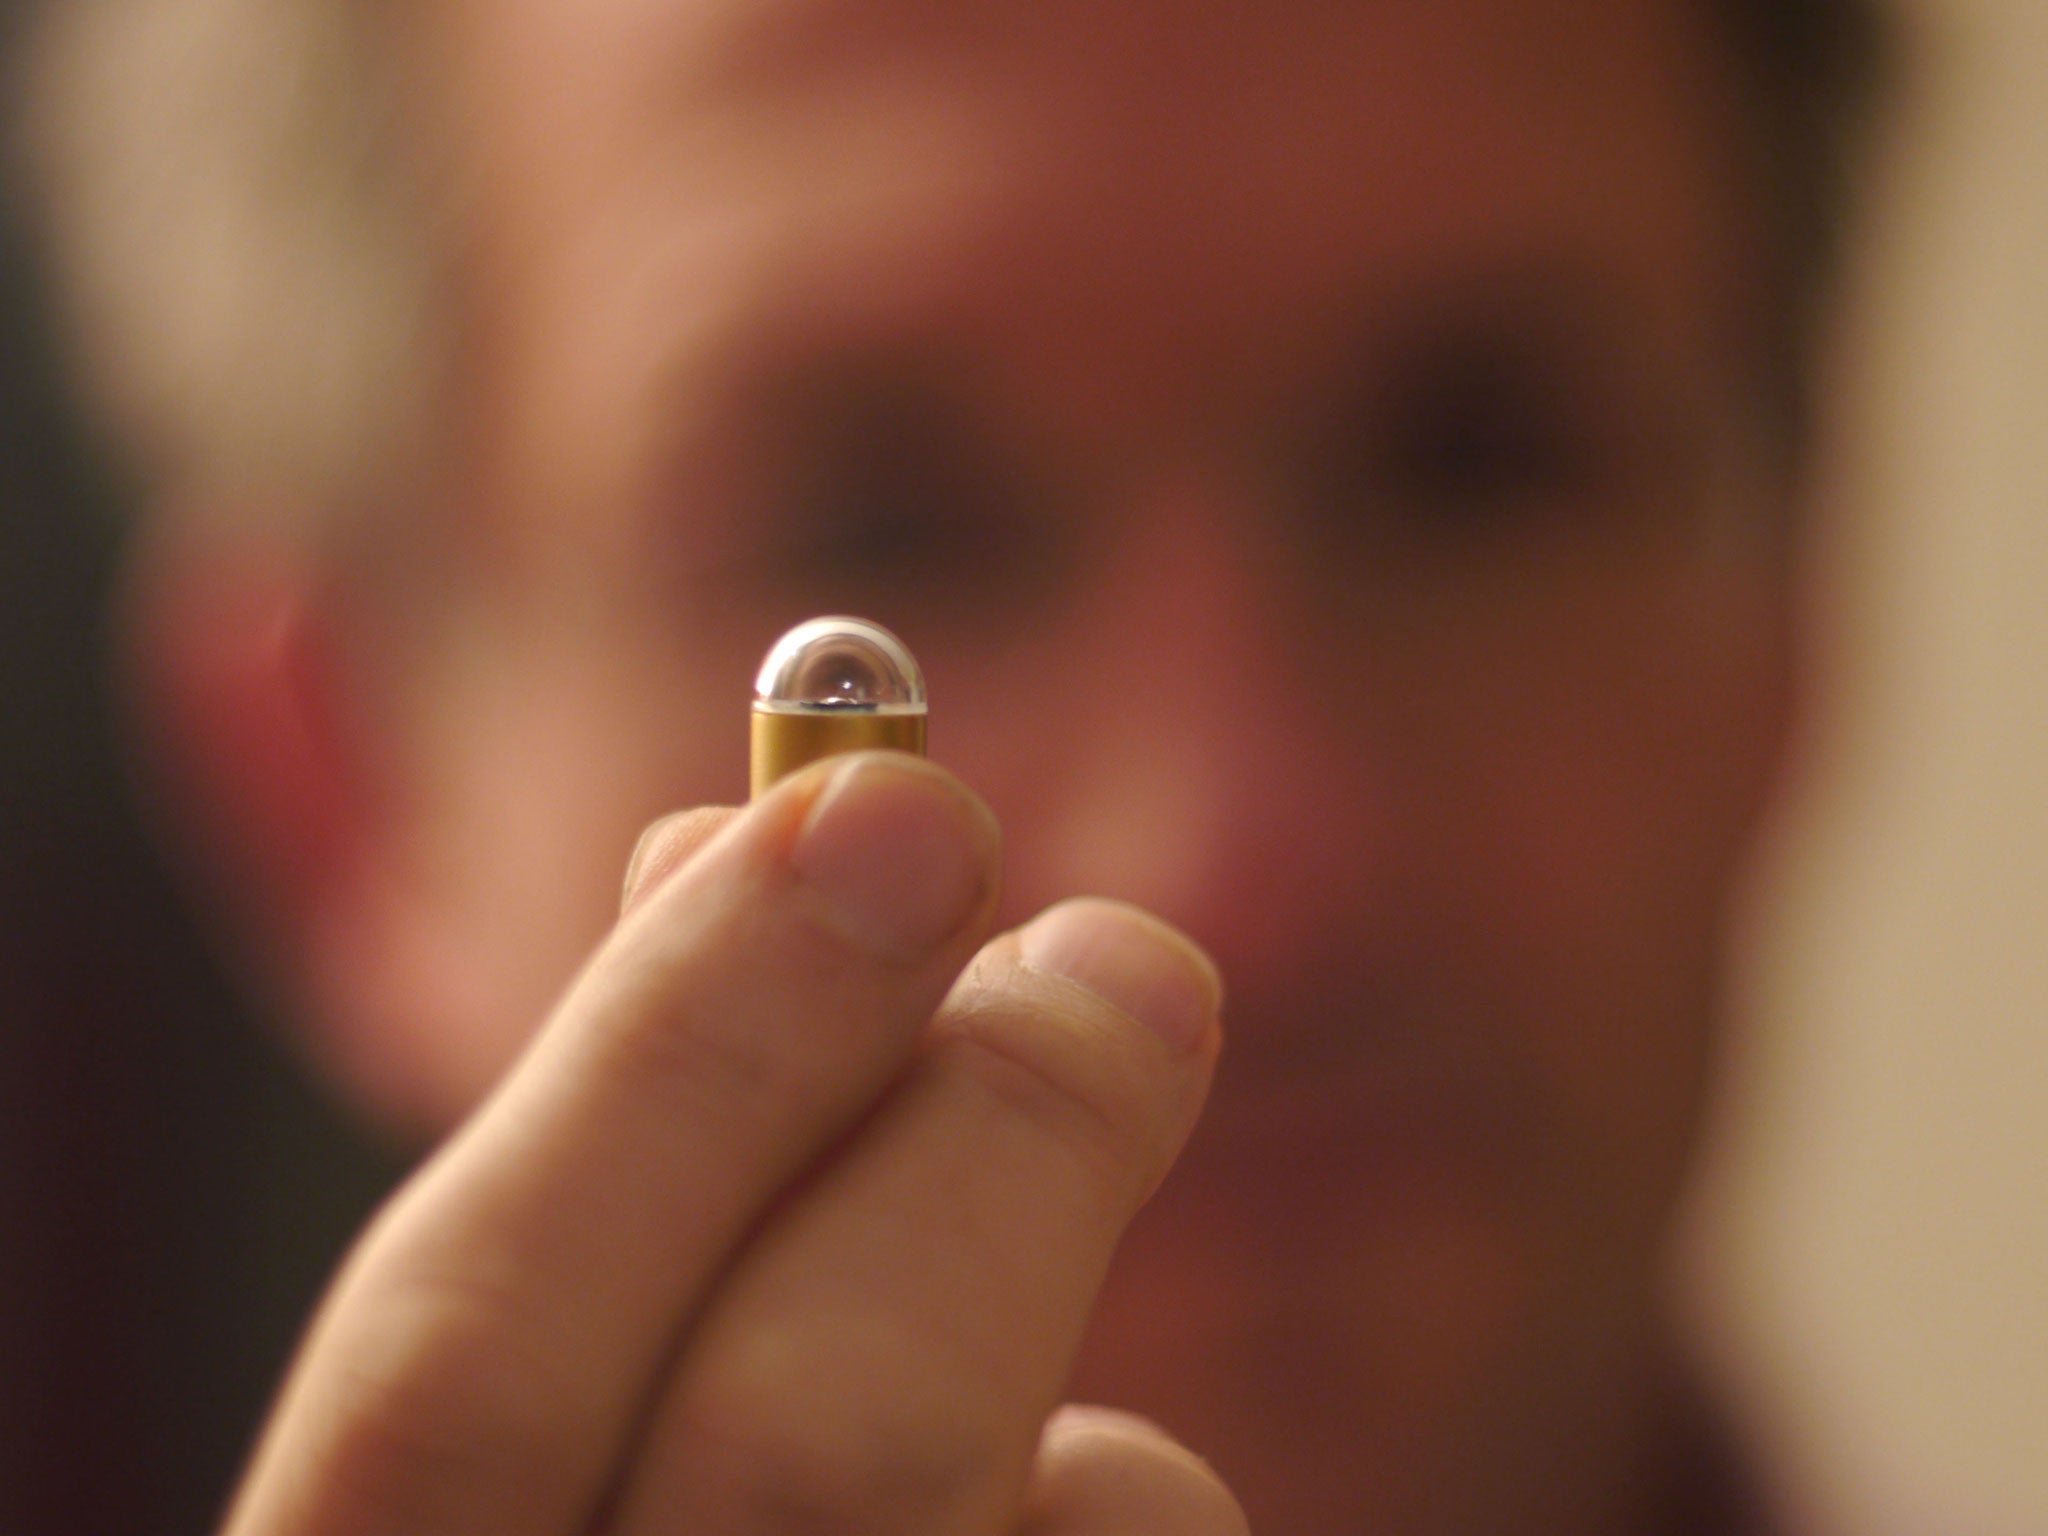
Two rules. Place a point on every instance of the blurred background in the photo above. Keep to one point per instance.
(1875, 1236)
(1871, 1245)
(172, 1192)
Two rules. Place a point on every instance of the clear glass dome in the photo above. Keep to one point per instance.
(839, 664)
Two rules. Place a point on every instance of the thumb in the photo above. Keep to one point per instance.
(1102, 1472)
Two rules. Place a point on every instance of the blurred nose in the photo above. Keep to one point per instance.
(1221, 765)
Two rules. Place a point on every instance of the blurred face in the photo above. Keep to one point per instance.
(1308, 448)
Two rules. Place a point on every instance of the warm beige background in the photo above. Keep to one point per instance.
(1881, 1211)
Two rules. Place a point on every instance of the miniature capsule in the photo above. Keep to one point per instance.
(834, 685)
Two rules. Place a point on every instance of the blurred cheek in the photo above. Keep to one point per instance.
(1549, 804)
(1528, 822)
(1639, 754)
(540, 746)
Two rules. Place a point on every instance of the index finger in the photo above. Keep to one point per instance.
(485, 1353)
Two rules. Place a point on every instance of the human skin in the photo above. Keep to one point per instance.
(1313, 452)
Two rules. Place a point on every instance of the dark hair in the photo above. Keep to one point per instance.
(114, 129)
(1816, 75)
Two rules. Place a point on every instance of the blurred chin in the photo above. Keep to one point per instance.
(1317, 1310)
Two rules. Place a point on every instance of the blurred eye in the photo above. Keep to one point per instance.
(888, 498)
(1470, 434)
(1472, 437)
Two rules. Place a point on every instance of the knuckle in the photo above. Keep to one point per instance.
(1069, 1073)
(713, 1054)
(681, 1052)
(789, 1452)
(433, 1396)
(710, 1017)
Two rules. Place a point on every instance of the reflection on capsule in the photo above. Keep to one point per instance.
(834, 685)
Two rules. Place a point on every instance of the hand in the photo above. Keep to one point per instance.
(789, 1220)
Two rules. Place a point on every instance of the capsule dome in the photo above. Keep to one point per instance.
(839, 664)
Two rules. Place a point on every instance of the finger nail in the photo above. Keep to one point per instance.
(1130, 959)
(899, 855)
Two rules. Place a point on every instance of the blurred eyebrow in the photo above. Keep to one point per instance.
(823, 423)
(852, 393)
(1552, 299)
(1555, 324)
(1550, 316)
(743, 44)
(1539, 335)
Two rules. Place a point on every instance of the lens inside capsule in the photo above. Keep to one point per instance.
(838, 663)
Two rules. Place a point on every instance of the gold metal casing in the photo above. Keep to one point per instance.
(786, 739)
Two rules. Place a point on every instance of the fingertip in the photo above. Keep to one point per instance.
(1105, 1470)
(898, 855)
(1076, 1427)
(1133, 960)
